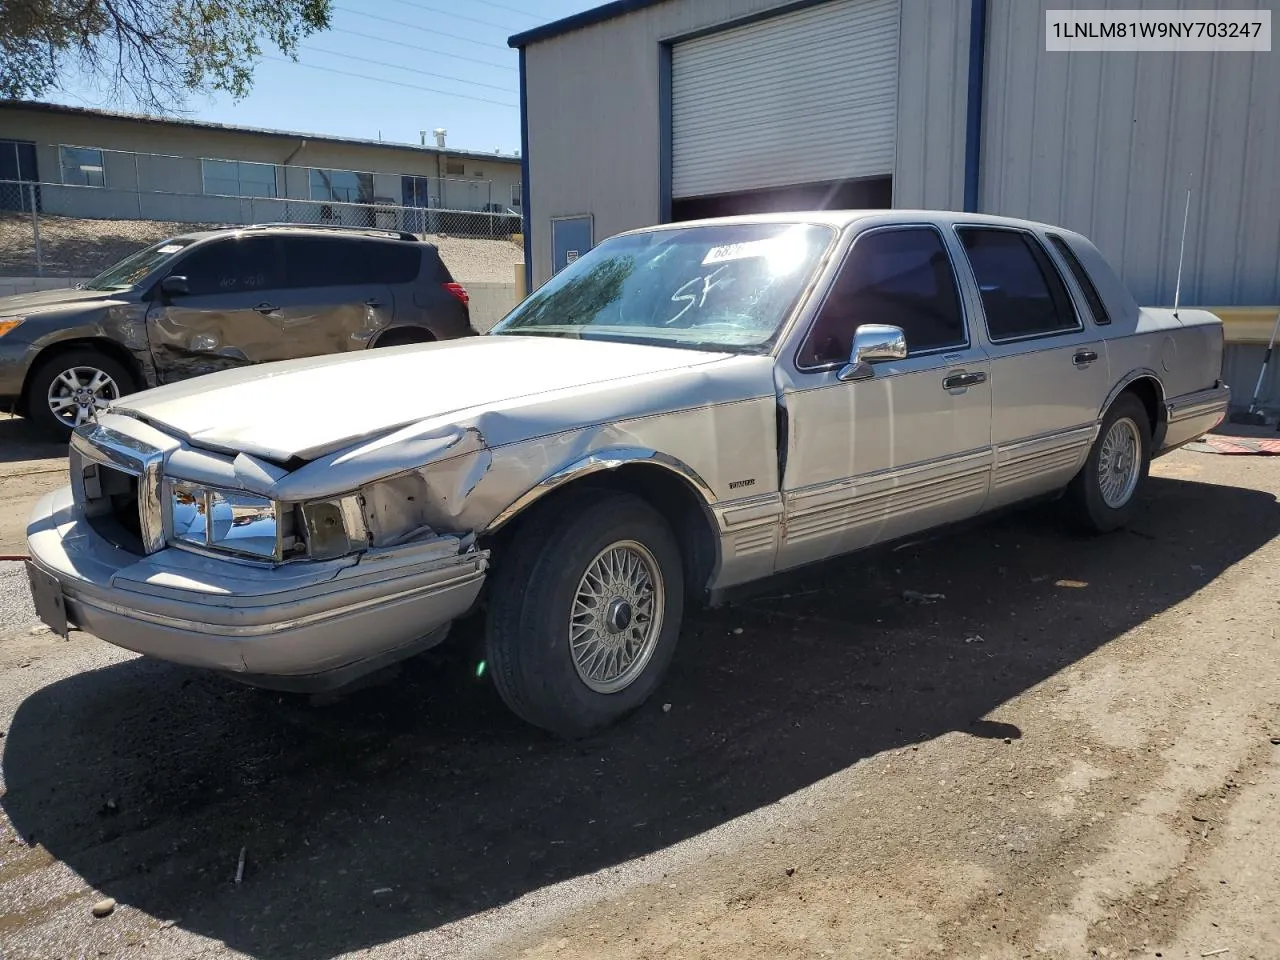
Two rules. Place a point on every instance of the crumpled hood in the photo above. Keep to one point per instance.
(46, 301)
(307, 408)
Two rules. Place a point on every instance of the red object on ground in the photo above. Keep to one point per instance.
(1239, 445)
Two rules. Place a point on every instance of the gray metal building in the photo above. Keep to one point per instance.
(645, 111)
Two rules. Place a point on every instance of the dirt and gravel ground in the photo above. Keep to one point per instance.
(1074, 754)
(73, 247)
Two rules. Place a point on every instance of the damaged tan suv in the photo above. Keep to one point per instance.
(208, 301)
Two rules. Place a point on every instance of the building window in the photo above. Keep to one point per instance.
(454, 168)
(478, 174)
(238, 178)
(18, 175)
(82, 166)
(516, 195)
(18, 160)
(416, 192)
(341, 186)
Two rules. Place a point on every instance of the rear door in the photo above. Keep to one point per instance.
(228, 317)
(334, 299)
(1049, 370)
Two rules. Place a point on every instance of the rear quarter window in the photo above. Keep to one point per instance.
(1083, 280)
(434, 269)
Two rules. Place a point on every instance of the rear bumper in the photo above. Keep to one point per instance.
(303, 623)
(1194, 414)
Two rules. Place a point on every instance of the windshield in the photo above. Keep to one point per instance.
(134, 267)
(727, 286)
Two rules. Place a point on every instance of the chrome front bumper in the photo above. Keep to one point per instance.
(297, 621)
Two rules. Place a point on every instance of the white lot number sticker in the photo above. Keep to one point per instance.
(171, 248)
(742, 251)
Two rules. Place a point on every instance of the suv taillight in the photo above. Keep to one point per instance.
(459, 291)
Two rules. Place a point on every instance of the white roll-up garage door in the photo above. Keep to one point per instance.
(803, 97)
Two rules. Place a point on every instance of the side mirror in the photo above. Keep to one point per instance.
(873, 343)
(174, 286)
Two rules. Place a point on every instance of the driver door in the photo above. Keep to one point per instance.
(227, 318)
(907, 448)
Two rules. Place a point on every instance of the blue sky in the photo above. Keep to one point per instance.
(455, 48)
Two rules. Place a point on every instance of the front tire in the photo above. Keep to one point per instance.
(1101, 498)
(71, 387)
(584, 612)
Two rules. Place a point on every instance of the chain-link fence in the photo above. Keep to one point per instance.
(35, 243)
(105, 204)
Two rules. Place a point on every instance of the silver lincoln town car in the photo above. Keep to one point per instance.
(683, 410)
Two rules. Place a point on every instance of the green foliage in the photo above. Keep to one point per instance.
(152, 52)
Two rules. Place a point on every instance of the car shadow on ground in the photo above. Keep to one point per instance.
(422, 802)
(20, 441)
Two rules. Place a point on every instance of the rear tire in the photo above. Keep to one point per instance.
(1101, 497)
(584, 612)
(80, 380)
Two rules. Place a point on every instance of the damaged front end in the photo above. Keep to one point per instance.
(346, 505)
(378, 505)
(237, 564)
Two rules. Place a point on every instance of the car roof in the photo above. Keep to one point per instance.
(843, 218)
(306, 230)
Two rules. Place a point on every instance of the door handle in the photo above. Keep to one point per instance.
(959, 381)
(373, 302)
(1084, 357)
(265, 307)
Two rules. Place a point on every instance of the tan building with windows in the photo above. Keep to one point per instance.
(87, 163)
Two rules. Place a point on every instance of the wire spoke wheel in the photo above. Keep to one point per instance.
(1119, 463)
(78, 393)
(616, 616)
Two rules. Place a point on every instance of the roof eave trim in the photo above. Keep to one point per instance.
(578, 21)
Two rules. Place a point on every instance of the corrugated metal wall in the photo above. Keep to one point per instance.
(592, 100)
(1105, 143)
(933, 65)
(594, 115)
(1102, 143)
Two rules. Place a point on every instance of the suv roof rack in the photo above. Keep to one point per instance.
(345, 227)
